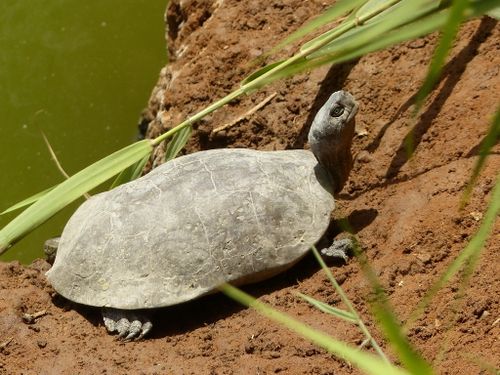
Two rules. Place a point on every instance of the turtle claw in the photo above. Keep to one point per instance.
(339, 249)
(128, 324)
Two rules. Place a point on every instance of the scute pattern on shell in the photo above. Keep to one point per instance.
(192, 223)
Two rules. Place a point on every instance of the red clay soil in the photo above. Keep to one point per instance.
(405, 212)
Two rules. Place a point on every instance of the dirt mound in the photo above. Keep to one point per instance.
(405, 212)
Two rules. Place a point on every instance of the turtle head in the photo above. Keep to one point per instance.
(330, 136)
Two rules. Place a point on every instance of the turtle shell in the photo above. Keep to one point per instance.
(234, 215)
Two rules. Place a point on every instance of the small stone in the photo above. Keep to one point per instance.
(364, 157)
(418, 43)
(424, 258)
(222, 134)
(476, 215)
(361, 132)
(311, 352)
(484, 314)
(31, 318)
(41, 344)
(275, 354)
(28, 318)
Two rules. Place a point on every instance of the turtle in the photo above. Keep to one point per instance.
(222, 215)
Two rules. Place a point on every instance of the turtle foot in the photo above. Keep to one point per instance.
(129, 324)
(339, 249)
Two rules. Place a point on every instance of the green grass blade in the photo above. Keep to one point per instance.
(123, 177)
(326, 308)
(473, 248)
(27, 201)
(302, 64)
(177, 142)
(407, 32)
(365, 13)
(339, 9)
(368, 363)
(413, 30)
(339, 30)
(492, 138)
(395, 17)
(69, 190)
(256, 74)
(410, 30)
(191, 120)
(334, 282)
(418, 28)
(347, 301)
(259, 78)
(370, 6)
(390, 325)
(130, 173)
(138, 167)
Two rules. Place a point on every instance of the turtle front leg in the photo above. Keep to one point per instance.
(129, 324)
(339, 249)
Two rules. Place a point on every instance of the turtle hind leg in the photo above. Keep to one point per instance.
(339, 249)
(129, 324)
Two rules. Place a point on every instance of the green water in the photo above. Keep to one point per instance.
(81, 71)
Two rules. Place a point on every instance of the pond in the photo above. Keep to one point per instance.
(81, 72)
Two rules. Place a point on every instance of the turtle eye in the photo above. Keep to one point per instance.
(336, 111)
